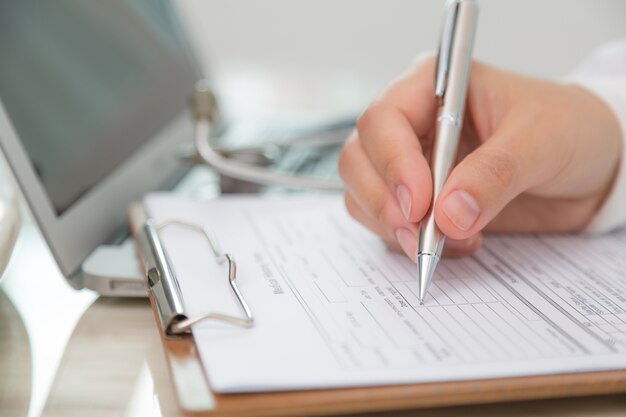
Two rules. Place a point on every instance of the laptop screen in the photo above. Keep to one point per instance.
(86, 83)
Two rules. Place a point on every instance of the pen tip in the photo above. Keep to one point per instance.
(421, 302)
(426, 264)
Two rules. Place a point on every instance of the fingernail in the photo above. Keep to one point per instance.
(462, 209)
(407, 242)
(404, 198)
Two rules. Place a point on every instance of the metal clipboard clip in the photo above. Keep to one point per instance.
(162, 282)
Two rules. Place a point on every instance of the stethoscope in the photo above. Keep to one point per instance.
(204, 106)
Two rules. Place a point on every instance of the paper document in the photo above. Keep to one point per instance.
(334, 307)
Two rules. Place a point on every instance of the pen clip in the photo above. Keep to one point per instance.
(445, 47)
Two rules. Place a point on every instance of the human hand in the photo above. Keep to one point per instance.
(535, 156)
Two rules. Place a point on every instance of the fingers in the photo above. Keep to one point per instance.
(368, 192)
(412, 94)
(387, 177)
(405, 240)
(355, 210)
(395, 153)
(389, 131)
(452, 248)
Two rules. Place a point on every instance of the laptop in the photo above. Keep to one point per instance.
(93, 114)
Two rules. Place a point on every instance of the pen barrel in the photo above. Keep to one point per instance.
(442, 160)
(460, 58)
(456, 71)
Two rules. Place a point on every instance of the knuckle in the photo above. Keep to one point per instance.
(382, 212)
(391, 168)
(350, 205)
(342, 163)
(344, 158)
(365, 219)
(370, 114)
(498, 167)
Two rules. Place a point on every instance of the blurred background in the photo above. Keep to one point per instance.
(337, 55)
(378, 39)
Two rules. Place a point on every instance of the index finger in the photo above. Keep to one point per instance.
(389, 131)
(413, 94)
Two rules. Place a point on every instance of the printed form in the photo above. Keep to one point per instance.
(334, 307)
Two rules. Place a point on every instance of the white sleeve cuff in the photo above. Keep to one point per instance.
(612, 214)
(604, 74)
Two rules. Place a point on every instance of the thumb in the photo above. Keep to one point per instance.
(480, 186)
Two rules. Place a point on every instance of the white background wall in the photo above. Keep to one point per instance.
(378, 38)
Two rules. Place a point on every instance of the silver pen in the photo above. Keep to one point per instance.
(451, 78)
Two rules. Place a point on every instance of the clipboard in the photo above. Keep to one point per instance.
(195, 395)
